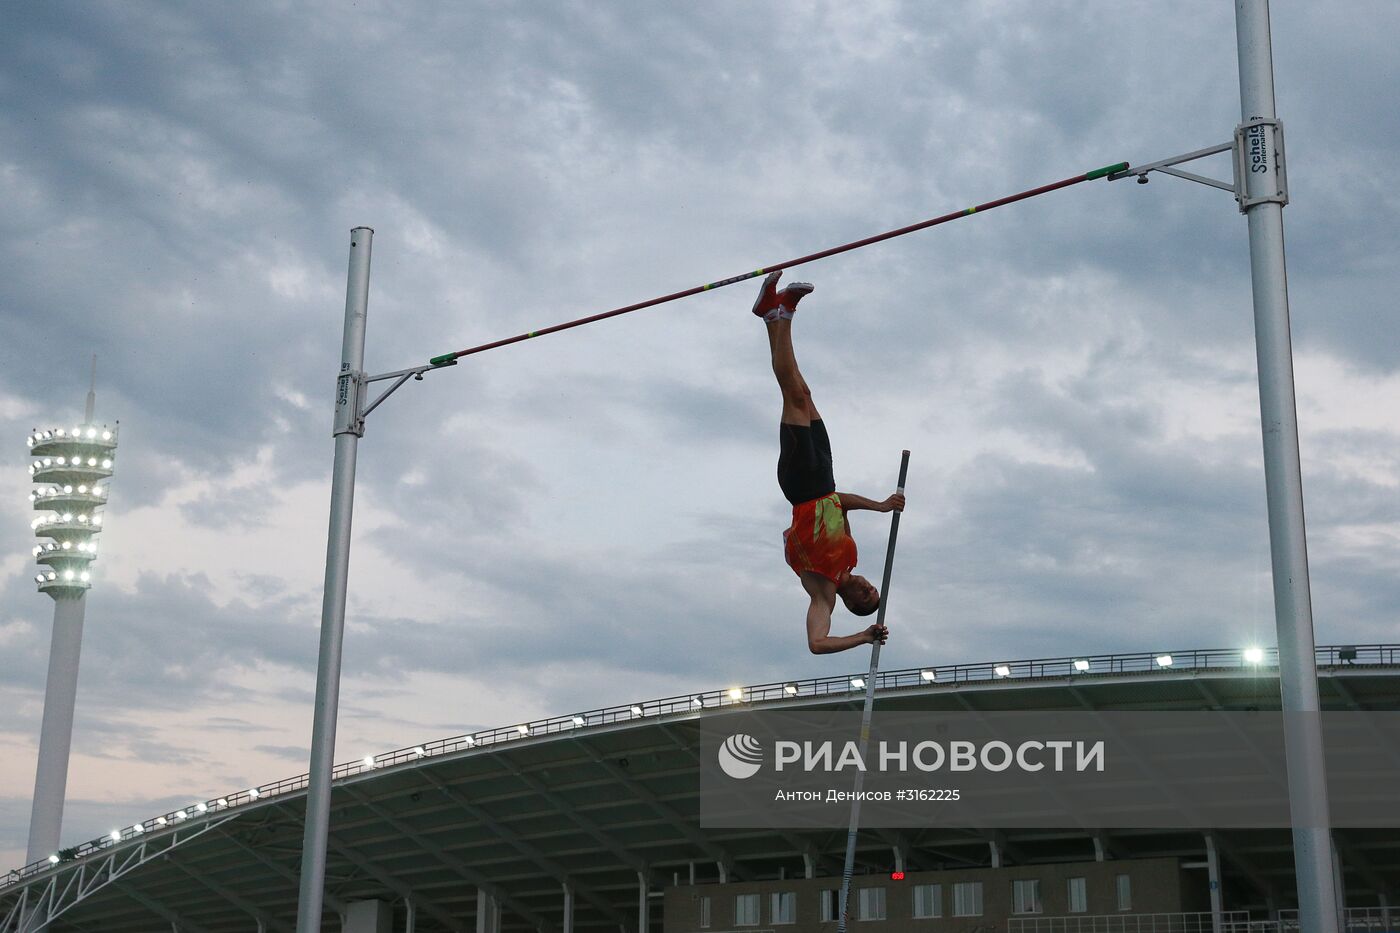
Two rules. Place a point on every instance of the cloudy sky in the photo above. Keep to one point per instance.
(592, 518)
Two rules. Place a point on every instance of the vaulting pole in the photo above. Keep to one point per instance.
(854, 826)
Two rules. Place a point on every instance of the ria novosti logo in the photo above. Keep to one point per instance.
(741, 756)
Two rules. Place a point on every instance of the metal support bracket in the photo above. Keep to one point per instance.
(358, 384)
(1249, 148)
(1252, 139)
(349, 393)
(1165, 166)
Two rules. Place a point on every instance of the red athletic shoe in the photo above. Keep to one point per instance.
(767, 301)
(772, 304)
(790, 296)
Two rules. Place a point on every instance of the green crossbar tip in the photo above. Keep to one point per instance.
(445, 358)
(1106, 170)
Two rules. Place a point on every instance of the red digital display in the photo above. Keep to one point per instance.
(896, 876)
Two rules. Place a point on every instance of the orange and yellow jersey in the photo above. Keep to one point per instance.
(819, 540)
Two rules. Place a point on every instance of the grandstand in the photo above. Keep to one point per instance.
(590, 820)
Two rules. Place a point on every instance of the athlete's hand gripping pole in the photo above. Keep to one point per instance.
(844, 901)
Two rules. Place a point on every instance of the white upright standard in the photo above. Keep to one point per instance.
(71, 469)
(349, 427)
(1259, 154)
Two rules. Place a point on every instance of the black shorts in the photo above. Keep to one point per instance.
(804, 462)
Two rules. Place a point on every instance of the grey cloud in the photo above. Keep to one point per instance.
(168, 644)
(295, 753)
(179, 183)
(232, 724)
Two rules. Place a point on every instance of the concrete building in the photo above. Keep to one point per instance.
(958, 900)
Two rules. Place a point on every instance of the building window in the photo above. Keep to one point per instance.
(872, 904)
(1124, 885)
(746, 910)
(1025, 896)
(967, 899)
(783, 908)
(831, 900)
(928, 901)
(703, 910)
(1078, 896)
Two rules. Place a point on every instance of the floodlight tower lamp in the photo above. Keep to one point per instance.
(70, 470)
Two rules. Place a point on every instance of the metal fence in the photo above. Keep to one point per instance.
(1076, 668)
(1235, 921)
(1354, 920)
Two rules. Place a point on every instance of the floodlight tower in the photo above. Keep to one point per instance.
(70, 471)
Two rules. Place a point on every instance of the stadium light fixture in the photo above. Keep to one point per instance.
(790, 689)
(1254, 655)
(928, 676)
(202, 807)
(697, 702)
(223, 801)
(53, 859)
(369, 761)
(1164, 660)
(253, 793)
(636, 710)
(420, 751)
(858, 683)
(735, 693)
(578, 720)
(138, 828)
(115, 835)
(1002, 670)
(523, 729)
(470, 741)
(1081, 665)
(161, 821)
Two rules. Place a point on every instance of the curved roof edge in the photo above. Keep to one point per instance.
(1026, 672)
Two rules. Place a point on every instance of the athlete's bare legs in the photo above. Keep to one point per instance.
(776, 308)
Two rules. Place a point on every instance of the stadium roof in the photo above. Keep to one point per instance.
(606, 800)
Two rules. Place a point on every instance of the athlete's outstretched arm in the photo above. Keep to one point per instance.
(819, 637)
(852, 503)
